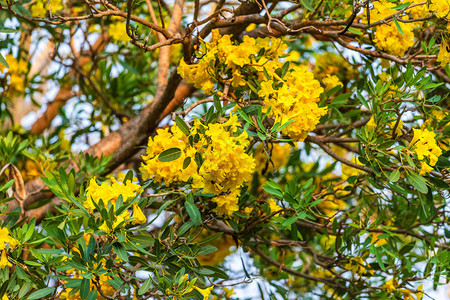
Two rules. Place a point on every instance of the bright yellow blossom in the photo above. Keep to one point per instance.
(118, 31)
(425, 147)
(440, 7)
(331, 81)
(205, 292)
(273, 206)
(109, 192)
(5, 238)
(138, 215)
(4, 260)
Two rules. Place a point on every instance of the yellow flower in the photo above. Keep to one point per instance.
(118, 31)
(331, 81)
(248, 210)
(40, 8)
(387, 36)
(227, 204)
(109, 192)
(139, 217)
(4, 297)
(441, 7)
(391, 40)
(424, 145)
(296, 99)
(5, 238)
(172, 171)
(273, 206)
(205, 292)
(444, 54)
(425, 168)
(4, 260)
(390, 285)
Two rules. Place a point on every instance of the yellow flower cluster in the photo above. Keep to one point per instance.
(292, 99)
(331, 64)
(109, 192)
(41, 7)
(387, 36)
(172, 171)
(6, 239)
(392, 285)
(419, 11)
(444, 51)
(424, 145)
(118, 30)
(444, 54)
(440, 7)
(274, 207)
(226, 60)
(296, 99)
(358, 266)
(331, 81)
(16, 71)
(226, 165)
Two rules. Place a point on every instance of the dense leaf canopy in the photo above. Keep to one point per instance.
(224, 149)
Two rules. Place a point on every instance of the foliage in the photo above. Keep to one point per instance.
(299, 149)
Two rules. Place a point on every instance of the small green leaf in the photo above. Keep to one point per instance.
(3, 61)
(289, 221)
(169, 155)
(306, 4)
(84, 288)
(394, 176)
(273, 191)
(145, 286)
(120, 251)
(186, 162)
(418, 182)
(193, 212)
(41, 293)
(398, 26)
(402, 6)
(182, 125)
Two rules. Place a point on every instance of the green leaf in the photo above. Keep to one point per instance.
(3, 61)
(169, 155)
(41, 293)
(84, 288)
(145, 286)
(186, 162)
(363, 100)
(120, 251)
(273, 191)
(402, 6)
(7, 185)
(25, 288)
(418, 182)
(49, 251)
(289, 221)
(398, 26)
(306, 4)
(354, 31)
(193, 212)
(207, 250)
(182, 125)
(394, 176)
